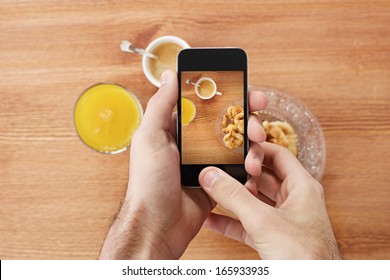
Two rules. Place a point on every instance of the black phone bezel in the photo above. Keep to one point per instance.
(212, 59)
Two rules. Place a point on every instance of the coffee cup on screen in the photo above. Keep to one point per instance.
(206, 88)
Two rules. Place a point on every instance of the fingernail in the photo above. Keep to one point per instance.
(165, 77)
(210, 178)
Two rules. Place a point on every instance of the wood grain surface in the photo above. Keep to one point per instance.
(57, 197)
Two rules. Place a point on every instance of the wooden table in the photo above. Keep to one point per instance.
(58, 197)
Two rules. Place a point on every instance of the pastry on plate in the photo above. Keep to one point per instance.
(281, 133)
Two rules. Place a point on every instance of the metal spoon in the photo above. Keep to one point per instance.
(126, 46)
(188, 82)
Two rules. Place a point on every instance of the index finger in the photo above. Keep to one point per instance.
(282, 161)
(257, 100)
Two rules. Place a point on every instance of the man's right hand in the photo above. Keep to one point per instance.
(296, 227)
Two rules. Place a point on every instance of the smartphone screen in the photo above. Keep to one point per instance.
(212, 112)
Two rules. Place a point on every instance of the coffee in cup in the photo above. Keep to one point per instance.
(206, 88)
(166, 48)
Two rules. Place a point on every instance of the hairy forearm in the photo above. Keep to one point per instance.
(128, 237)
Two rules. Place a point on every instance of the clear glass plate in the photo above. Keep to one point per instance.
(311, 141)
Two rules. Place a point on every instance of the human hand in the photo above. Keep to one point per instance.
(296, 227)
(158, 217)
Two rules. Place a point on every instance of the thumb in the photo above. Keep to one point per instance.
(229, 193)
(159, 109)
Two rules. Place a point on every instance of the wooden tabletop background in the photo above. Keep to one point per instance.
(58, 197)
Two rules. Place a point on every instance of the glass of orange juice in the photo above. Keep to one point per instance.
(106, 117)
(188, 111)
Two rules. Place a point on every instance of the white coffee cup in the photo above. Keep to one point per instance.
(168, 58)
(206, 88)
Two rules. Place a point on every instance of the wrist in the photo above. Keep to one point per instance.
(130, 236)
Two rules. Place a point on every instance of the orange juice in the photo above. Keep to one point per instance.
(106, 117)
(188, 111)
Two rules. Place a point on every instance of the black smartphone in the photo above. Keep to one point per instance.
(212, 112)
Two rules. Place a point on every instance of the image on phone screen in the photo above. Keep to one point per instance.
(212, 117)
(212, 112)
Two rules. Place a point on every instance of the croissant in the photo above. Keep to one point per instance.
(281, 133)
(233, 127)
(233, 139)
